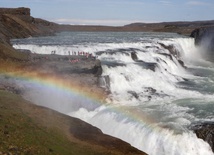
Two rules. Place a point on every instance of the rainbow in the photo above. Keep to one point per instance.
(67, 85)
(73, 87)
(58, 82)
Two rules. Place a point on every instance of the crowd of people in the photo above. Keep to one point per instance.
(79, 53)
(87, 54)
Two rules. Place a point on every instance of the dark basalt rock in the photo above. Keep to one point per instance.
(151, 90)
(113, 63)
(205, 131)
(182, 63)
(97, 69)
(202, 34)
(167, 55)
(204, 37)
(134, 56)
(146, 65)
(171, 58)
(172, 50)
(114, 51)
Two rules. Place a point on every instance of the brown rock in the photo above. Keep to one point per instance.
(15, 11)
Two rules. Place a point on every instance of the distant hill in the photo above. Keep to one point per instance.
(177, 27)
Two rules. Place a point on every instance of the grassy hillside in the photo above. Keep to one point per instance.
(29, 129)
(9, 53)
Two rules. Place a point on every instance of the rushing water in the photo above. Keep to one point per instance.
(153, 101)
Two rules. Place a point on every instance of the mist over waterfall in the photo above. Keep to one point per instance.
(159, 83)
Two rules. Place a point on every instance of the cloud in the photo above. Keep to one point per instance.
(165, 2)
(197, 3)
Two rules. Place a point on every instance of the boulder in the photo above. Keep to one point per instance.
(134, 56)
(97, 69)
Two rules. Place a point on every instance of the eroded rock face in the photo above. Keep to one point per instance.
(202, 34)
(205, 131)
(15, 11)
(172, 50)
(204, 38)
(17, 23)
(97, 69)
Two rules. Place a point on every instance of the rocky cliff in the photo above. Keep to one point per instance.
(17, 23)
(16, 11)
(204, 38)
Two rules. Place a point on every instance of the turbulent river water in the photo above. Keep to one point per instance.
(154, 99)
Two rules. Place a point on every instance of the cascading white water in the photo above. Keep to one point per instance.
(160, 127)
(154, 100)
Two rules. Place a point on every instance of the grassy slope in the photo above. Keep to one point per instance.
(29, 129)
(7, 52)
(20, 133)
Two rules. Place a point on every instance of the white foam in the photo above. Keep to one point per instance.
(150, 137)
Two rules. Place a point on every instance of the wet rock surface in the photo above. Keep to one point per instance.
(205, 131)
(204, 38)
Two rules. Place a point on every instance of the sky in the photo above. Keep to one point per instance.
(116, 12)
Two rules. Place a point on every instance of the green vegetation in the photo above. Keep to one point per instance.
(7, 52)
(20, 134)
